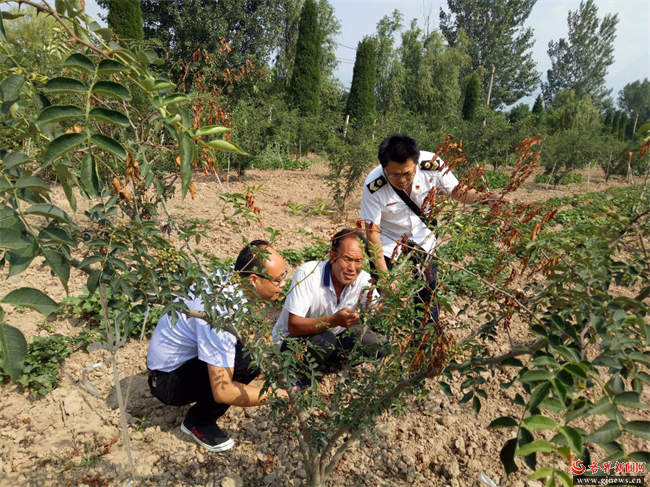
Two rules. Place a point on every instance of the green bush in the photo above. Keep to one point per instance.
(274, 157)
(496, 179)
(564, 179)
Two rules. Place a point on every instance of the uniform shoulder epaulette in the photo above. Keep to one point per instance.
(431, 165)
(376, 184)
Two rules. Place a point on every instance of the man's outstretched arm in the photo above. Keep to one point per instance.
(226, 391)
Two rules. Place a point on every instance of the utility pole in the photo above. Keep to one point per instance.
(489, 93)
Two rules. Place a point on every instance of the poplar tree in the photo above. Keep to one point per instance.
(304, 88)
(581, 61)
(609, 120)
(362, 99)
(125, 18)
(538, 107)
(497, 37)
(616, 123)
(622, 126)
(472, 97)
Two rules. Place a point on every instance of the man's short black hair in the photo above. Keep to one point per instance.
(346, 233)
(398, 148)
(251, 258)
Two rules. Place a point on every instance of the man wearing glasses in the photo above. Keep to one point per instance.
(191, 362)
(324, 301)
(392, 196)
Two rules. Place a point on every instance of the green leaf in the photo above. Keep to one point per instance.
(476, 404)
(536, 446)
(20, 259)
(225, 146)
(535, 376)
(564, 478)
(111, 66)
(110, 144)
(80, 62)
(59, 113)
(63, 84)
(13, 239)
(538, 395)
(638, 428)
(9, 218)
(93, 281)
(503, 422)
(175, 99)
(31, 298)
(539, 422)
(110, 116)
(10, 89)
(445, 388)
(187, 153)
(33, 183)
(640, 456)
(211, 130)
(577, 370)
(49, 211)
(89, 176)
(606, 433)
(14, 350)
(65, 178)
(12, 15)
(61, 146)
(58, 235)
(59, 265)
(630, 400)
(112, 89)
(603, 406)
(105, 33)
(541, 473)
(573, 438)
(14, 159)
(508, 456)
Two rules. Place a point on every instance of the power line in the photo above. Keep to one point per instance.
(347, 47)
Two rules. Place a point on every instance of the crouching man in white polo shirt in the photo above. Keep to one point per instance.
(324, 301)
(191, 362)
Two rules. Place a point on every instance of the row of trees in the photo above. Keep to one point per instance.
(447, 82)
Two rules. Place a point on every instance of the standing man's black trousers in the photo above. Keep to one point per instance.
(425, 295)
(190, 383)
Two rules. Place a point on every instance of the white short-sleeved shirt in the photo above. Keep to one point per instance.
(312, 295)
(172, 346)
(383, 206)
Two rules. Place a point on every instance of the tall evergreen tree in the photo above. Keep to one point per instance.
(580, 63)
(635, 99)
(362, 99)
(616, 123)
(538, 107)
(497, 37)
(609, 120)
(390, 71)
(629, 130)
(622, 126)
(125, 18)
(304, 88)
(472, 97)
(330, 26)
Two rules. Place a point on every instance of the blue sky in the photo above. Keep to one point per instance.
(548, 20)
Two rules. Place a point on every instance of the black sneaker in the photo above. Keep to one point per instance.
(210, 436)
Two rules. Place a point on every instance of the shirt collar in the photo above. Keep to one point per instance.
(327, 274)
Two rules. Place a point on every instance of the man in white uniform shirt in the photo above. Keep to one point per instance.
(406, 173)
(191, 362)
(324, 301)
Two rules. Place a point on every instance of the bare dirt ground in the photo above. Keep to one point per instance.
(70, 437)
